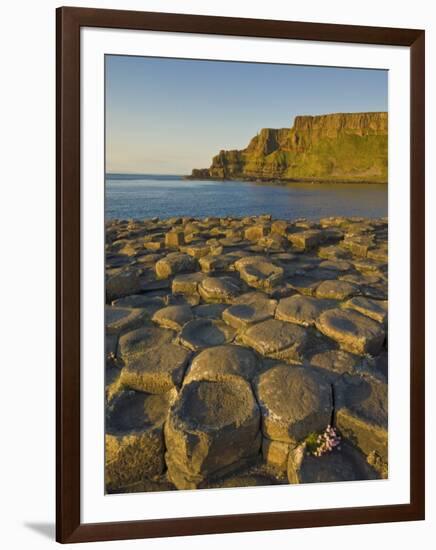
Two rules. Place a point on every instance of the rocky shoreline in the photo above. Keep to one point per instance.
(201, 175)
(235, 346)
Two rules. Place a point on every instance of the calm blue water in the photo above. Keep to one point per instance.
(140, 197)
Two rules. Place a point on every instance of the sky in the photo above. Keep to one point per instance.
(168, 116)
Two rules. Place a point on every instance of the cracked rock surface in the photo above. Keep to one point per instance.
(231, 341)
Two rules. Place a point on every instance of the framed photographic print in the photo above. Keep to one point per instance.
(240, 321)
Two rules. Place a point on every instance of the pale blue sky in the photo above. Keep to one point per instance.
(167, 116)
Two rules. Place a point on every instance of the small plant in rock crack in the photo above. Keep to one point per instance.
(318, 444)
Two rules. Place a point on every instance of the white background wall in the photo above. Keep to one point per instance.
(27, 237)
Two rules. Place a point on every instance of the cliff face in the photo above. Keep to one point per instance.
(336, 147)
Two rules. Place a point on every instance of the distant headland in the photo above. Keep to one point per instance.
(340, 147)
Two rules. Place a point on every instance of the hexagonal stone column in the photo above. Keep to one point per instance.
(347, 464)
(134, 438)
(355, 333)
(302, 310)
(362, 414)
(294, 401)
(223, 362)
(277, 339)
(259, 272)
(212, 428)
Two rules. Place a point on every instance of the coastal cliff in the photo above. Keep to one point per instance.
(348, 147)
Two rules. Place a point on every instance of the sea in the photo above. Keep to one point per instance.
(141, 196)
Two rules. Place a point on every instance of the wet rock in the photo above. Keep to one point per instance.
(248, 309)
(354, 332)
(375, 309)
(294, 401)
(336, 290)
(219, 289)
(122, 319)
(223, 362)
(203, 333)
(212, 426)
(302, 310)
(273, 338)
(174, 263)
(173, 317)
(134, 438)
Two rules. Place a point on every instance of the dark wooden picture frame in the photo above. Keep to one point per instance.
(68, 523)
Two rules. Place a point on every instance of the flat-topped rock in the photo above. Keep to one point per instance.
(274, 338)
(122, 319)
(175, 238)
(174, 263)
(354, 332)
(186, 284)
(220, 289)
(336, 265)
(346, 464)
(134, 443)
(336, 290)
(302, 310)
(122, 283)
(222, 362)
(213, 262)
(375, 309)
(294, 401)
(275, 454)
(259, 272)
(203, 333)
(173, 317)
(336, 362)
(333, 252)
(212, 426)
(197, 250)
(248, 309)
(210, 311)
(255, 232)
(362, 413)
(156, 370)
(304, 284)
(140, 341)
(148, 304)
(307, 240)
